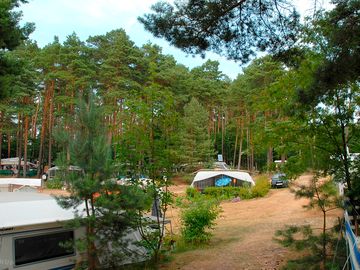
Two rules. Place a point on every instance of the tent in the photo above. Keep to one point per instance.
(15, 162)
(210, 178)
(223, 181)
(53, 171)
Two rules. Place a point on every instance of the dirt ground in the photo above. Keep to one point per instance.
(243, 238)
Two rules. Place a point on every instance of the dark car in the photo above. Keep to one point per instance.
(279, 180)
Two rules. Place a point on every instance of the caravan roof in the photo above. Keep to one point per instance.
(241, 175)
(15, 161)
(70, 168)
(21, 181)
(24, 209)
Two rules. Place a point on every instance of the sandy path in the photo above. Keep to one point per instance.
(243, 236)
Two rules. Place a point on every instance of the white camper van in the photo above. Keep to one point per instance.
(31, 233)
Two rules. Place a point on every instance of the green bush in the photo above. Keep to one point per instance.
(54, 184)
(222, 193)
(192, 192)
(198, 219)
(261, 187)
(245, 192)
(188, 178)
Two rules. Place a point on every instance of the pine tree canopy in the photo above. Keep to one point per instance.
(341, 29)
(11, 36)
(235, 28)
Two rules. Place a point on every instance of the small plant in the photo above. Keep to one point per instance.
(245, 192)
(322, 195)
(304, 239)
(192, 192)
(54, 184)
(198, 219)
(261, 188)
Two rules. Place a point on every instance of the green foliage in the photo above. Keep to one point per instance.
(11, 36)
(335, 34)
(223, 193)
(112, 210)
(198, 219)
(198, 26)
(304, 239)
(54, 184)
(322, 194)
(195, 143)
(246, 192)
(188, 177)
(192, 192)
(261, 187)
(153, 230)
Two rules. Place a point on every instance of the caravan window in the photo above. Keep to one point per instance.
(43, 247)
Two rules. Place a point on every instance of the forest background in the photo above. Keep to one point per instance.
(161, 116)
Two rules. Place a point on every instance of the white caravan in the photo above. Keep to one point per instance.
(32, 234)
(31, 229)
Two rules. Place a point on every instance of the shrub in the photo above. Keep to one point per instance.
(192, 192)
(54, 184)
(261, 187)
(198, 218)
(245, 192)
(216, 192)
(223, 193)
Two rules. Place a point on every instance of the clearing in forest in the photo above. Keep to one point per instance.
(243, 238)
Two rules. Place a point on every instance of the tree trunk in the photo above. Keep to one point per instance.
(26, 131)
(121, 118)
(324, 240)
(252, 151)
(67, 154)
(1, 134)
(218, 123)
(214, 123)
(19, 154)
(17, 140)
(240, 148)
(43, 129)
(34, 120)
(1, 137)
(116, 131)
(91, 248)
(247, 150)
(236, 142)
(51, 123)
(270, 158)
(9, 144)
(222, 137)
(90, 233)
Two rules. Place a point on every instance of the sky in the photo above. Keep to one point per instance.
(97, 17)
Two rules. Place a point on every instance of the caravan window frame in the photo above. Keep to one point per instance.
(33, 234)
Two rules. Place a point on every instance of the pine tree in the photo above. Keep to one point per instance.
(195, 143)
(110, 209)
(11, 36)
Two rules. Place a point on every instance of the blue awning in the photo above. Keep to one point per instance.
(223, 181)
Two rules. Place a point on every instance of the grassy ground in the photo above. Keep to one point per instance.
(243, 238)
